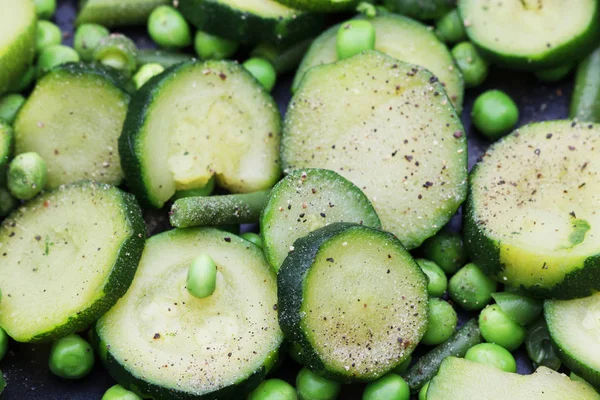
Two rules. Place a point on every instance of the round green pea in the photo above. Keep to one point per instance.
(274, 389)
(441, 324)
(494, 355)
(473, 67)
(27, 175)
(213, 47)
(47, 34)
(423, 392)
(117, 51)
(263, 71)
(450, 28)
(202, 277)
(168, 28)
(311, 386)
(7, 202)
(71, 357)
(118, 392)
(52, 56)
(45, 9)
(447, 250)
(24, 81)
(553, 74)
(494, 114)
(10, 106)
(253, 237)
(3, 343)
(145, 73)
(87, 37)
(390, 386)
(354, 37)
(497, 327)
(438, 282)
(470, 288)
(403, 366)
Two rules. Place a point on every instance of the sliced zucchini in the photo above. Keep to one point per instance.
(111, 13)
(162, 342)
(421, 9)
(399, 37)
(66, 257)
(6, 146)
(308, 199)
(251, 21)
(463, 379)
(321, 5)
(195, 121)
(354, 300)
(531, 219)
(574, 327)
(389, 128)
(532, 34)
(73, 120)
(17, 40)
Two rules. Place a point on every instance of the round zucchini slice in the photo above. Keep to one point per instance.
(354, 300)
(162, 342)
(531, 220)
(67, 256)
(532, 34)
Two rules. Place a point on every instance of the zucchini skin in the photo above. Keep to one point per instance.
(110, 74)
(111, 13)
(421, 9)
(321, 5)
(585, 102)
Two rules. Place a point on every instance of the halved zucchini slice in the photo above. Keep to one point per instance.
(111, 13)
(321, 5)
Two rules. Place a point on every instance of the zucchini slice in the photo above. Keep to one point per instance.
(354, 300)
(389, 128)
(321, 5)
(112, 13)
(574, 327)
(531, 219)
(463, 379)
(306, 200)
(399, 37)
(532, 34)
(162, 342)
(65, 259)
(73, 120)
(195, 121)
(421, 9)
(251, 21)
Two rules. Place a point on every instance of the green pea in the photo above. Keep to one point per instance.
(403, 366)
(7, 202)
(473, 67)
(447, 250)
(497, 328)
(521, 309)
(71, 357)
(390, 386)
(450, 28)
(47, 34)
(367, 9)
(168, 28)
(118, 392)
(494, 114)
(553, 74)
(493, 355)
(423, 392)
(27, 175)
(3, 343)
(45, 9)
(87, 37)
(24, 81)
(52, 56)
(213, 47)
(253, 237)
(441, 324)
(145, 73)
(274, 389)
(470, 288)
(117, 51)
(438, 282)
(202, 277)
(263, 71)
(10, 106)
(354, 37)
(311, 386)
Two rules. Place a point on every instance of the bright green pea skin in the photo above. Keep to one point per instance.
(71, 357)
(211, 47)
(274, 389)
(27, 175)
(24, 81)
(202, 277)
(553, 74)
(521, 309)
(447, 250)
(423, 392)
(87, 37)
(493, 355)
(473, 67)
(117, 51)
(403, 366)
(145, 73)
(438, 282)
(10, 106)
(168, 28)
(354, 37)
(390, 386)
(45, 9)
(118, 392)
(263, 71)
(441, 323)
(52, 56)
(494, 114)
(311, 386)
(3, 343)
(450, 28)
(496, 327)
(47, 34)
(470, 288)
(7, 203)
(253, 237)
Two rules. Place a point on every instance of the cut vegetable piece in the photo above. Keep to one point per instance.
(354, 300)
(251, 21)
(68, 255)
(6, 147)
(463, 379)
(195, 121)
(421, 9)
(369, 118)
(73, 120)
(399, 37)
(165, 58)
(17, 40)
(531, 219)
(219, 347)
(321, 5)
(574, 326)
(523, 310)
(308, 199)
(531, 34)
(111, 13)
(585, 101)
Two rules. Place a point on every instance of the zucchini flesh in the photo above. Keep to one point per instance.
(67, 256)
(397, 121)
(6, 146)
(164, 343)
(111, 13)
(531, 218)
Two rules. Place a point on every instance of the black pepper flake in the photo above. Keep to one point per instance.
(571, 148)
(274, 307)
(227, 239)
(157, 336)
(38, 237)
(222, 76)
(408, 158)
(457, 134)
(433, 79)
(314, 190)
(302, 215)
(330, 259)
(394, 153)
(572, 214)
(322, 215)
(537, 152)
(428, 184)
(549, 136)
